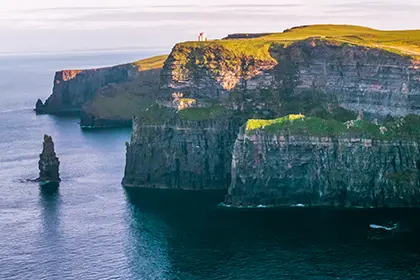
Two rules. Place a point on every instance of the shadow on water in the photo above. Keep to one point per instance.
(50, 205)
(202, 240)
(52, 252)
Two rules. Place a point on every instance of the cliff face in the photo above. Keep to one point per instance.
(357, 77)
(334, 73)
(360, 78)
(188, 155)
(211, 72)
(73, 88)
(115, 105)
(106, 97)
(273, 168)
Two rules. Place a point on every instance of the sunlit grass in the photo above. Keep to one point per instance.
(404, 42)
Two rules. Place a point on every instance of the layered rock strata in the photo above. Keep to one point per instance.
(48, 163)
(73, 88)
(281, 169)
(106, 97)
(188, 155)
(359, 78)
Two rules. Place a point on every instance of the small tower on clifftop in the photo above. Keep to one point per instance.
(202, 37)
(48, 163)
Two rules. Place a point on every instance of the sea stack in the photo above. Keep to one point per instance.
(48, 163)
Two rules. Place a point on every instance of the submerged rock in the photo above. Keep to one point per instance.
(48, 163)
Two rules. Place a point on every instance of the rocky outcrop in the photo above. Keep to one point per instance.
(48, 163)
(187, 155)
(357, 77)
(360, 78)
(73, 88)
(337, 74)
(282, 169)
(211, 72)
(115, 104)
(106, 97)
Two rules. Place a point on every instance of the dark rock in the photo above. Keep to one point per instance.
(74, 88)
(184, 155)
(48, 163)
(90, 121)
(285, 170)
(39, 107)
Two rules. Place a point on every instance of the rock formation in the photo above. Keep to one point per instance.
(189, 155)
(106, 96)
(357, 145)
(48, 163)
(358, 88)
(282, 165)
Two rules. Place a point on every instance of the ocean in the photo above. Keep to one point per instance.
(93, 228)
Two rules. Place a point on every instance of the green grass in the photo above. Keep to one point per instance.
(405, 42)
(204, 113)
(404, 128)
(121, 107)
(156, 114)
(151, 63)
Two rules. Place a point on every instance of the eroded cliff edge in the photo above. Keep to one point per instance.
(333, 73)
(308, 161)
(179, 153)
(190, 108)
(105, 97)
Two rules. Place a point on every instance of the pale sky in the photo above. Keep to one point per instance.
(61, 26)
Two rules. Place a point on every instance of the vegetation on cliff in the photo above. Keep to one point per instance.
(405, 42)
(155, 62)
(204, 113)
(403, 128)
(122, 101)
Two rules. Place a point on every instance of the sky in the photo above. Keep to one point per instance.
(28, 26)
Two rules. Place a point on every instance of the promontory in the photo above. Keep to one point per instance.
(322, 115)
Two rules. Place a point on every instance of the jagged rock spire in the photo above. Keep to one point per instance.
(48, 162)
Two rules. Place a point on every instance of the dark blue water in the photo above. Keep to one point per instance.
(91, 228)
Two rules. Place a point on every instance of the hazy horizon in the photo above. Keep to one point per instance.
(94, 25)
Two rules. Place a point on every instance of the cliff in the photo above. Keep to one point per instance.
(332, 74)
(357, 68)
(73, 88)
(308, 161)
(105, 96)
(172, 150)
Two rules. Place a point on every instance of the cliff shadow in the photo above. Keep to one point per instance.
(198, 240)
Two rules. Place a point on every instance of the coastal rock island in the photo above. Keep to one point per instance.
(48, 163)
(322, 115)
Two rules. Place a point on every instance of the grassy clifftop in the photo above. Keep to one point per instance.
(405, 42)
(403, 128)
(152, 63)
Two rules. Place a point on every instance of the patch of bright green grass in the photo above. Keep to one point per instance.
(151, 63)
(404, 128)
(204, 113)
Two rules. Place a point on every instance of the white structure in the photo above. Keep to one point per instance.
(202, 37)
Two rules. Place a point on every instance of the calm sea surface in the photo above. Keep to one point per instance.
(91, 228)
